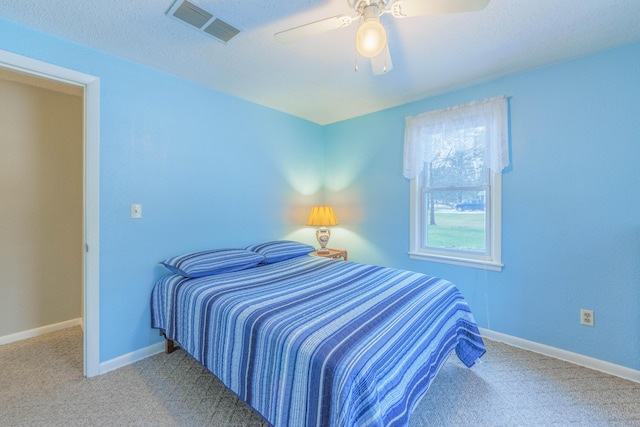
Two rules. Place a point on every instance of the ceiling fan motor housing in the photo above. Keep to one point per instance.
(369, 8)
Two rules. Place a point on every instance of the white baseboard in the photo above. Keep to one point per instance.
(567, 356)
(31, 333)
(134, 356)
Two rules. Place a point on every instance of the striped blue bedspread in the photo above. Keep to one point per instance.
(318, 342)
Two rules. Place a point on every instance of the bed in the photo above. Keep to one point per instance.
(311, 341)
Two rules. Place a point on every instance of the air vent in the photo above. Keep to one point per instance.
(202, 20)
(221, 30)
(192, 14)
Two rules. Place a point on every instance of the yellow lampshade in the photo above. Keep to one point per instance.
(322, 216)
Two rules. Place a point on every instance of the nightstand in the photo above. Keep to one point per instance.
(333, 253)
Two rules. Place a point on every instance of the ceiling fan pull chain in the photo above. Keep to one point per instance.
(384, 69)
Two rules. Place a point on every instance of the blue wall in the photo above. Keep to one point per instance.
(571, 204)
(215, 171)
(210, 170)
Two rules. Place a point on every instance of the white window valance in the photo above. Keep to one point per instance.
(423, 133)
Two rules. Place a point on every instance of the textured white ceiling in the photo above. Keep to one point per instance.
(314, 78)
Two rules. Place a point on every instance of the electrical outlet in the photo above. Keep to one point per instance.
(586, 317)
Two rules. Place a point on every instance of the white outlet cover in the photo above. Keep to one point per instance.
(136, 210)
(586, 317)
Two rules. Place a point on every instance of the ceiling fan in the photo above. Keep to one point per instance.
(371, 38)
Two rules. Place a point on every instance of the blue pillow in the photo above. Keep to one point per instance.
(207, 263)
(280, 250)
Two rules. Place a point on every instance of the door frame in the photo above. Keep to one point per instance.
(91, 191)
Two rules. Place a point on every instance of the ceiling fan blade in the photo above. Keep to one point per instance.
(408, 8)
(381, 64)
(318, 27)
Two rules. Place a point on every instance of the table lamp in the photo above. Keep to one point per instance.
(322, 216)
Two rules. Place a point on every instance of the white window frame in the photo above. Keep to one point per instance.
(417, 217)
(493, 114)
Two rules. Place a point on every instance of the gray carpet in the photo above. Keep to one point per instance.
(41, 384)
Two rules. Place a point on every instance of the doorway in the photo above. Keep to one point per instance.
(90, 85)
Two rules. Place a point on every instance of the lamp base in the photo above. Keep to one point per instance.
(323, 234)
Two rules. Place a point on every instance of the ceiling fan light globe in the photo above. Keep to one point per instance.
(371, 38)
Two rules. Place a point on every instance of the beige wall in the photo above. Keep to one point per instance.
(41, 208)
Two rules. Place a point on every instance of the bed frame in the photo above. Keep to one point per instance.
(169, 345)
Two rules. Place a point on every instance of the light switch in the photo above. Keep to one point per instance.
(136, 210)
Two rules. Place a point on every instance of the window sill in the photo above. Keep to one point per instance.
(464, 262)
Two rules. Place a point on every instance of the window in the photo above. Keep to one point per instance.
(454, 159)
